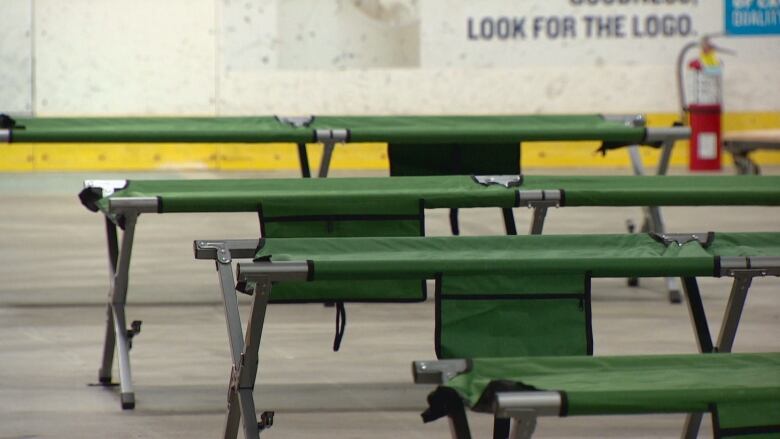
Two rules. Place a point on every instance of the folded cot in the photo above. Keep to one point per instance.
(371, 207)
(473, 274)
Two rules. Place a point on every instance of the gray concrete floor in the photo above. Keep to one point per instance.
(53, 283)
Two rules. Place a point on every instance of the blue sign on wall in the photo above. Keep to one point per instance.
(752, 17)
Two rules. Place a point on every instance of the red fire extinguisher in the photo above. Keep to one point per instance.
(704, 110)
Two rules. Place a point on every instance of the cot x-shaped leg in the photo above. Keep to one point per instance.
(117, 336)
(244, 354)
(728, 329)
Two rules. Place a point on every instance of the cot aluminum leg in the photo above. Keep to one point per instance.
(116, 325)
(522, 428)
(733, 313)
(123, 345)
(454, 225)
(666, 156)
(109, 341)
(244, 354)
(697, 314)
(303, 158)
(233, 416)
(327, 153)
(744, 164)
(509, 221)
(540, 213)
(501, 428)
(728, 332)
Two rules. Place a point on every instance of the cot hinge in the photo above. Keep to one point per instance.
(632, 120)
(705, 239)
(502, 180)
(438, 372)
(540, 198)
(107, 186)
(753, 266)
(332, 136)
(296, 121)
(217, 250)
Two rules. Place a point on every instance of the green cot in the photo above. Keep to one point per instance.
(417, 144)
(543, 277)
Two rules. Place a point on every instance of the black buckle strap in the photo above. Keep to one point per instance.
(341, 325)
(7, 122)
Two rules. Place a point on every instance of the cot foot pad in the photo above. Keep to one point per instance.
(106, 381)
(128, 401)
(266, 420)
(675, 296)
(633, 282)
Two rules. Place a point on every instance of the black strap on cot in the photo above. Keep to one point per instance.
(341, 325)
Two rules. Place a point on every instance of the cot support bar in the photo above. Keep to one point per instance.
(509, 221)
(117, 336)
(327, 154)
(697, 314)
(733, 313)
(303, 158)
(109, 343)
(666, 156)
(540, 213)
(667, 134)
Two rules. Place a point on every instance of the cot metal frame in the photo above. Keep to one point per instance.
(523, 408)
(244, 348)
(740, 145)
(118, 336)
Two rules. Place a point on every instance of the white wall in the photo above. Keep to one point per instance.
(16, 56)
(124, 56)
(359, 56)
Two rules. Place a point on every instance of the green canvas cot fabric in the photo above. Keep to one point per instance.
(510, 316)
(356, 194)
(338, 195)
(634, 384)
(622, 255)
(476, 130)
(419, 130)
(670, 190)
(160, 129)
(282, 219)
(758, 420)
